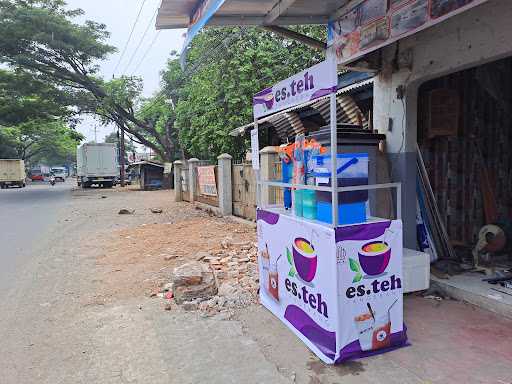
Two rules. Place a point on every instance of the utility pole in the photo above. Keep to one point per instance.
(122, 159)
(133, 148)
(95, 133)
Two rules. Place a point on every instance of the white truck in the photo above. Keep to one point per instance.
(12, 172)
(97, 165)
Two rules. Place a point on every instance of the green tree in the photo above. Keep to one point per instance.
(24, 98)
(42, 38)
(37, 139)
(226, 67)
(113, 138)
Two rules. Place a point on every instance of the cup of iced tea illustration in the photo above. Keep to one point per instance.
(273, 281)
(304, 259)
(374, 330)
(265, 265)
(374, 257)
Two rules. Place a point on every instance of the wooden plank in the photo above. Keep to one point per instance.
(279, 8)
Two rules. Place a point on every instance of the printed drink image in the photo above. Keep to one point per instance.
(273, 280)
(273, 284)
(265, 266)
(364, 325)
(305, 259)
(374, 333)
(374, 257)
(381, 332)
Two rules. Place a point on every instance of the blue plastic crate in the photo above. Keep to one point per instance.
(352, 213)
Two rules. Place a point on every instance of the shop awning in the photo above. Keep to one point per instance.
(356, 27)
(287, 123)
(184, 13)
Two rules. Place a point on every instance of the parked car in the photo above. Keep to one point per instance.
(36, 175)
(60, 173)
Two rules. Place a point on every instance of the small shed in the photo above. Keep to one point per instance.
(151, 174)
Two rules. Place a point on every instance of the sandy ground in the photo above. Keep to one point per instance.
(133, 261)
(81, 313)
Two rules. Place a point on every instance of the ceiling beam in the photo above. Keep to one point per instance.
(279, 8)
(259, 20)
(288, 33)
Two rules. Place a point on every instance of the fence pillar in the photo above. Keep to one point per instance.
(178, 166)
(192, 180)
(268, 158)
(225, 187)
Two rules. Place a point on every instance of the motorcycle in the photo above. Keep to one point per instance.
(52, 180)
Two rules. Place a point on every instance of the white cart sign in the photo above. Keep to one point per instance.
(310, 84)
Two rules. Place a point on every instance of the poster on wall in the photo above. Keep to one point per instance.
(373, 24)
(409, 18)
(339, 290)
(206, 180)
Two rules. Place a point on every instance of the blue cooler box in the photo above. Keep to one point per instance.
(352, 170)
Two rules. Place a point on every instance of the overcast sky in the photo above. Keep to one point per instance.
(119, 16)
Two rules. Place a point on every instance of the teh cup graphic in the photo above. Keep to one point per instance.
(374, 331)
(305, 259)
(374, 257)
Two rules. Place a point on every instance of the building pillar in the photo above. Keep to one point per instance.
(192, 179)
(225, 187)
(395, 103)
(178, 165)
(268, 159)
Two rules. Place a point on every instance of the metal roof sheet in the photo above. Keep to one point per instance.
(277, 118)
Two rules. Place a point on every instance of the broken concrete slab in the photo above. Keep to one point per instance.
(192, 281)
(187, 274)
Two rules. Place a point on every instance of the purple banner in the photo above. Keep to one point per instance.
(310, 84)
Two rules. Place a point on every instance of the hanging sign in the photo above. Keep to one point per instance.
(373, 24)
(310, 84)
(206, 180)
(167, 168)
(255, 150)
(203, 13)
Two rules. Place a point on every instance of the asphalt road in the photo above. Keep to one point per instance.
(26, 216)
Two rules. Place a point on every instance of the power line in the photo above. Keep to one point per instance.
(141, 41)
(146, 53)
(130, 36)
(214, 52)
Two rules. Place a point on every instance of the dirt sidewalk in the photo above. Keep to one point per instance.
(89, 303)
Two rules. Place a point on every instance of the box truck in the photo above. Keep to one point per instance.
(12, 172)
(97, 165)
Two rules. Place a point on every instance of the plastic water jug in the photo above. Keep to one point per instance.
(352, 170)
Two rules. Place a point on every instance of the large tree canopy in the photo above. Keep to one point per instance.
(194, 110)
(226, 67)
(24, 98)
(41, 37)
(40, 139)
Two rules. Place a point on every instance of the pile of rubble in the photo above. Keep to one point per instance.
(222, 279)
